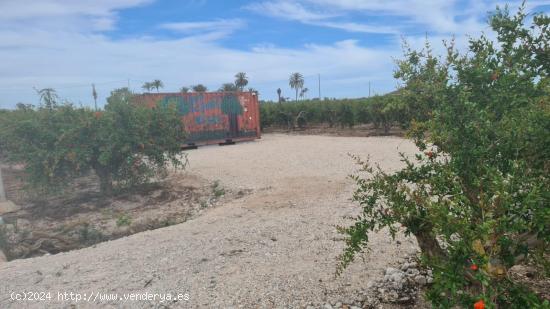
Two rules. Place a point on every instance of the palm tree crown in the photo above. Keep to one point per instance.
(296, 81)
(200, 88)
(228, 87)
(147, 86)
(241, 80)
(157, 84)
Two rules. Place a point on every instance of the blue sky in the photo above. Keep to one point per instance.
(68, 45)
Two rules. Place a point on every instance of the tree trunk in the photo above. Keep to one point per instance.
(429, 245)
(386, 129)
(105, 181)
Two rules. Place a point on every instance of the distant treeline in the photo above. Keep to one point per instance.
(381, 111)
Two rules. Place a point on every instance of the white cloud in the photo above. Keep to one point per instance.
(103, 23)
(62, 15)
(71, 53)
(432, 16)
(17, 9)
(357, 27)
(221, 25)
(290, 10)
(40, 49)
(437, 14)
(86, 59)
(321, 17)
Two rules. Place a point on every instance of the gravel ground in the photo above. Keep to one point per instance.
(276, 247)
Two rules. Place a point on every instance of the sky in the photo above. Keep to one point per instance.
(69, 45)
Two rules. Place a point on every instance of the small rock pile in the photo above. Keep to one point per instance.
(399, 285)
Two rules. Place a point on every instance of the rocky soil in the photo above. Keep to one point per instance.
(276, 247)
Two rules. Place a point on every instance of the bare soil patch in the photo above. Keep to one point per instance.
(83, 217)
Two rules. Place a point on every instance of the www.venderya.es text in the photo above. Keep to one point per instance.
(96, 297)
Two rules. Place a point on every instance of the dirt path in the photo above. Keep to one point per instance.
(275, 247)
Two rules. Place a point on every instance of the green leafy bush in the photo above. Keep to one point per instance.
(477, 199)
(382, 111)
(124, 145)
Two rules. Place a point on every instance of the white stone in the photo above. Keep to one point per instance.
(8, 206)
(397, 277)
(413, 272)
(391, 270)
(420, 280)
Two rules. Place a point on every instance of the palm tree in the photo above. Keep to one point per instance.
(279, 94)
(228, 87)
(184, 89)
(296, 81)
(48, 97)
(147, 86)
(94, 94)
(157, 84)
(199, 88)
(241, 80)
(303, 92)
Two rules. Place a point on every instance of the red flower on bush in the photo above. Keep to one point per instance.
(479, 304)
(430, 154)
(473, 267)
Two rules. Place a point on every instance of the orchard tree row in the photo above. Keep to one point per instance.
(124, 144)
(382, 111)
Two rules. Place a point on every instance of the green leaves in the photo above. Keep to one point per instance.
(383, 111)
(480, 191)
(124, 145)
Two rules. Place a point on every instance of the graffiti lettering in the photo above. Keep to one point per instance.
(208, 120)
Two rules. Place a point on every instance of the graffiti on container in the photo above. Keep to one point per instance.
(229, 104)
(211, 116)
(201, 119)
(181, 104)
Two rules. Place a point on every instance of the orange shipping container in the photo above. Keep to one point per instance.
(212, 117)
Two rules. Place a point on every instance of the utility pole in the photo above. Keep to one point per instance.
(319, 75)
(369, 89)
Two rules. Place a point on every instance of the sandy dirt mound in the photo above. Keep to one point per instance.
(275, 247)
